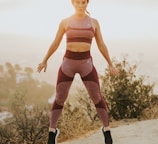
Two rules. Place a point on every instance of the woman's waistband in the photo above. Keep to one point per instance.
(77, 55)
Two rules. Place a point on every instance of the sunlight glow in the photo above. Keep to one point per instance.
(42, 17)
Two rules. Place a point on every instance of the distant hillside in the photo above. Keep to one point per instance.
(29, 51)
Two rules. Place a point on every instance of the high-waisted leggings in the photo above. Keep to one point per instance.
(81, 63)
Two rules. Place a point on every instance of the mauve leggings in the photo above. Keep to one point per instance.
(81, 63)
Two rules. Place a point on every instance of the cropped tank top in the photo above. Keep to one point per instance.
(80, 30)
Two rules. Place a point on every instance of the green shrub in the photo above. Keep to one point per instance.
(127, 95)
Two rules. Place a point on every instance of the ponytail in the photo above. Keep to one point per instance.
(87, 12)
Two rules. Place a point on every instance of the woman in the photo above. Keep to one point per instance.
(80, 29)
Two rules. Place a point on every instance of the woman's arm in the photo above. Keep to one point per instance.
(100, 43)
(53, 46)
(102, 47)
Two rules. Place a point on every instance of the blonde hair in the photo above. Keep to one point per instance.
(73, 0)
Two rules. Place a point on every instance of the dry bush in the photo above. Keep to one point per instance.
(151, 112)
(29, 124)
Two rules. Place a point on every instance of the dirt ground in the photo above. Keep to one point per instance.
(138, 132)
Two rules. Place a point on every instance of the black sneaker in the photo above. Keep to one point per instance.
(52, 138)
(107, 136)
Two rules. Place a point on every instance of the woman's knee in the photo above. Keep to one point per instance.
(101, 104)
(56, 105)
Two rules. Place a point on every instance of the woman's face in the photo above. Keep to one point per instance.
(80, 6)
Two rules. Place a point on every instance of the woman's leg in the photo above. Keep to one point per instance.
(92, 85)
(72, 64)
(62, 88)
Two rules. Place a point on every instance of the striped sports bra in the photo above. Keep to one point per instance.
(80, 30)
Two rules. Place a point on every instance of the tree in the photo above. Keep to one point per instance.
(28, 71)
(1, 69)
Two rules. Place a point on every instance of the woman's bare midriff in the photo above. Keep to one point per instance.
(78, 46)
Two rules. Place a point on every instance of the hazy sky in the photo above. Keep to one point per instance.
(128, 27)
(121, 18)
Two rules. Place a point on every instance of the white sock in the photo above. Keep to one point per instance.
(106, 129)
(52, 130)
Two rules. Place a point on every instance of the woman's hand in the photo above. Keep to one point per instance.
(114, 71)
(42, 66)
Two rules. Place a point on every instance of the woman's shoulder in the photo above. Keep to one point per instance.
(65, 21)
(95, 22)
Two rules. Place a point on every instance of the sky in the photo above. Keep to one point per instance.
(129, 27)
(132, 18)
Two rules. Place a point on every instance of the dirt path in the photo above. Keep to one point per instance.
(141, 132)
